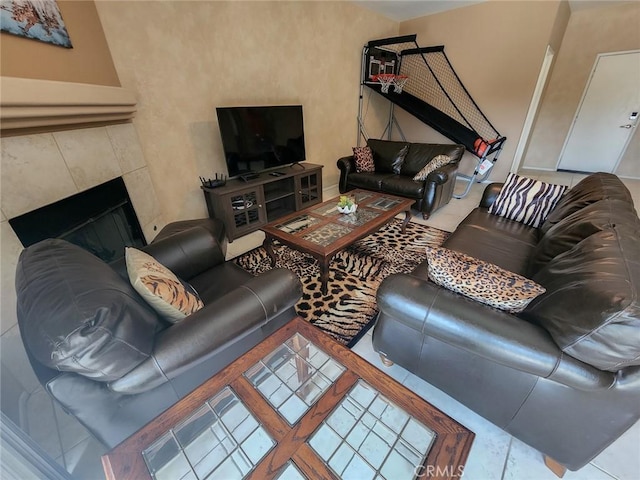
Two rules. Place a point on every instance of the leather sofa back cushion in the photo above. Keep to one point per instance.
(570, 231)
(388, 156)
(591, 307)
(593, 188)
(420, 154)
(77, 314)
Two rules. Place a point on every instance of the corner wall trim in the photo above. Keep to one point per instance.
(27, 102)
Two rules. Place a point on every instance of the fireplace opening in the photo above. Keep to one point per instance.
(101, 220)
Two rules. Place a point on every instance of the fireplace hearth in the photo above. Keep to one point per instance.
(101, 220)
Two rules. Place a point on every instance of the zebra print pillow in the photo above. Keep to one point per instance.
(526, 200)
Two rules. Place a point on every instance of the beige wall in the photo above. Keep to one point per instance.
(182, 59)
(497, 49)
(590, 32)
(89, 61)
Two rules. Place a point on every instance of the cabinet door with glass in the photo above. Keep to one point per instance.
(308, 189)
(246, 210)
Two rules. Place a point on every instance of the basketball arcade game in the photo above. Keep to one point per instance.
(426, 86)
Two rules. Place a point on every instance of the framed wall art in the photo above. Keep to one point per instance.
(37, 19)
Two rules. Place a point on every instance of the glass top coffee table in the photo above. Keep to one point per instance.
(297, 406)
(322, 231)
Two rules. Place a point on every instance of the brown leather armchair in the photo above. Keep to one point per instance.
(123, 364)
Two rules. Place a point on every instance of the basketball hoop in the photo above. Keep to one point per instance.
(398, 83)
(385, 79)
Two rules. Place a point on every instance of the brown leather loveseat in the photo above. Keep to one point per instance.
(109, 359)
(564, 374)
(395, 168)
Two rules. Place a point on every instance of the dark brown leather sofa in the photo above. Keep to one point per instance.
(564, 375)
(394, 173)
(107, 358)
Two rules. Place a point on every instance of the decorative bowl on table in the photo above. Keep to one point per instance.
(347, 204)
(350, 209)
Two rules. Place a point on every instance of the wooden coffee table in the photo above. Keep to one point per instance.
(298, 405)
(322, 231)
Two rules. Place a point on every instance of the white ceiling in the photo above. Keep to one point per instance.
(401, 10)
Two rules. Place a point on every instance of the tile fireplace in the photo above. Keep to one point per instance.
(101, 220)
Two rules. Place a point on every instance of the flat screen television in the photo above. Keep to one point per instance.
(255, 139)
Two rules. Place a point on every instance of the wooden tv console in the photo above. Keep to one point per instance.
(245, 207)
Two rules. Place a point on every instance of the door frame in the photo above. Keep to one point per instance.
(584, 94)
(534, 107)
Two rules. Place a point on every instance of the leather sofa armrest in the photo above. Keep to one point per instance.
(490, 194)
(443, 174)
(346, 165)
(495, 335)
(225, 320)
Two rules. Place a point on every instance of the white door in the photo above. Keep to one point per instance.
(607, 115)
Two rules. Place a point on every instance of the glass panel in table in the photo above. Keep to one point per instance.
(294, 376)
(222, 439)
(368, 437)
(297, 224)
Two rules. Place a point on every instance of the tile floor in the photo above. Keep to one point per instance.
(494, 454)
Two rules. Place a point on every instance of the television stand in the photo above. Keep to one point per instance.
(249, 176)
(247, 205)
(298, 164)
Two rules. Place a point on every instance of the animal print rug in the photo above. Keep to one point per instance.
(349, 309)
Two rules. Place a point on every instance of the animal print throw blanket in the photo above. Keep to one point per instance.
(349, 309)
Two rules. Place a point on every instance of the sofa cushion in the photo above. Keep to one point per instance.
(77, 314)
(526, 200)
(363, 158)
(591, 307)
(368, 181)
(402, 186)
(167, 294)
(593, 188)
(482, 281)
(494, 239)
(435, 163)
(570, 231)
(388, 156)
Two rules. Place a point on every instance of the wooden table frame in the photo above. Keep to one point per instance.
(446, 457)
(324, 254)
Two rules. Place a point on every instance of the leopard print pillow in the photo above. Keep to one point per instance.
(434, 164)
(364, 159)
(161, 289)
(484, 282)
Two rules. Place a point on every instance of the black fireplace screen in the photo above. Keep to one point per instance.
(101, 220)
